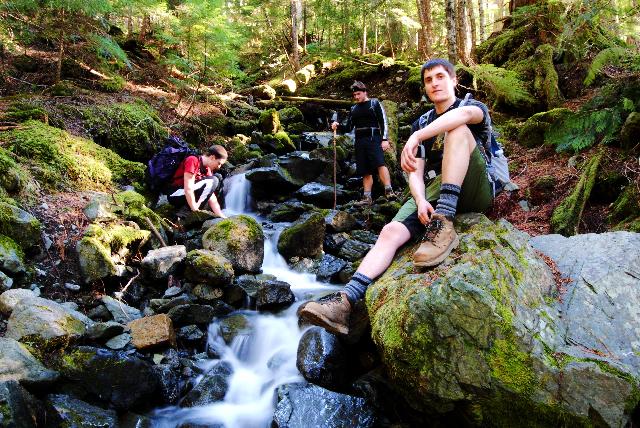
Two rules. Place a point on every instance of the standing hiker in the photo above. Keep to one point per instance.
(368, 118)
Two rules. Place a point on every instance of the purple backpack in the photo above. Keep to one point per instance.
(162, 167)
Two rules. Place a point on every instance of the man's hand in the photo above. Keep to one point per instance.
(408, 160)
(424, 211)
(385, 145)
(334, 125)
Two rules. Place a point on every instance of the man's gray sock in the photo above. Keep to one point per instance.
(356, 287)
(448, 201)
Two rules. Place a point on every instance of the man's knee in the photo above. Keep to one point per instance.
(394, 233)
(460, 135)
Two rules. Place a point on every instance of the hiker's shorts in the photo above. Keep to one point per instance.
(475, 195)
(369, 154)
(203, 189)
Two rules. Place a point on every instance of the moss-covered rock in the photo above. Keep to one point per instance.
(391, 156)
(625, 211)
(414, 84)
(204, 266)
(19, 225)
(269, 121)
(11, 256)
(305, 74)
(477, 335)
(262, 92)
(132, 206)
(21, 111)
(290, 115)
(133, 130)
(304, 238)
(566, 217)
(240, 240)
(546, 80)
(112, 85)
(532, 132)
(58, 159)
(286, 87)
(630, 132)
(279, 143)
(64, 88)
(239, 126)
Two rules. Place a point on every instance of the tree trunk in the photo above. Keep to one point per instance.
(387, 26)
(304, 26)
(130, 23)
(472, 25)
(481, 19)
(514, 4)
(425, 38)
(497, 21)
(145, 28)
(60, 49)
(363, 49)
(294, 35)
(452, 51)
(462, 31)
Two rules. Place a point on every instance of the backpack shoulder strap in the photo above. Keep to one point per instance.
(465, 100)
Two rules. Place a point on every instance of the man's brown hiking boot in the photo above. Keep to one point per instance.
(439, 239)
(390, 195)
(330, 312)
(365, 201)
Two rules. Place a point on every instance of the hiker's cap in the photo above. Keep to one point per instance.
(358, 86)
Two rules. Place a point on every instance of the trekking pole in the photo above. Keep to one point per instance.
(335, 182)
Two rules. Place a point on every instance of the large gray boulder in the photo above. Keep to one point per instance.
(322, 359)
(161, 263)
(302, 167)
(240, 240)
(19, 225)
(74, 413)
(17, 363)
(211, 388)
(272, 180)
(322, 195)
(10, 298)
(11, 256)
(491, 329)
(45, 319)
(304, 238)
(20, 409)
(208, 267)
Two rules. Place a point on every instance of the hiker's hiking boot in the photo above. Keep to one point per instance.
(439, 239)
(330, 312)
(390, 195)
(365, 201)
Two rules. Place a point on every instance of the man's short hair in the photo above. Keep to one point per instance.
(433, 63)
(358, 86)
(217, 151)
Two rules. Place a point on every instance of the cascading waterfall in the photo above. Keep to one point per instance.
(262, 359)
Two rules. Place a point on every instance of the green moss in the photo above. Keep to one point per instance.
(546, 80)
(133, 206)
(414, 82)
(245, 127)
(290, 115)
(512, 367)
(626, 205)
(113, 85)
(9, 245)
(533, 132)
(566, 217)
(280, 142)
(269, 121)
(21, 111)
(63, 88)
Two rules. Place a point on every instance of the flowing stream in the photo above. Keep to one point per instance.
(263, 358)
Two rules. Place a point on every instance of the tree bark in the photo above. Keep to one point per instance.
(481, 19)
(295, 58)
(497, 21)
(514, 4)
(145, 28)
(363, 49)
(60, 49)
(462, 31)
(452, 50)
(425, 38)
(472, 25)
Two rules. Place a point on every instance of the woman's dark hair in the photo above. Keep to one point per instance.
(432, 63)
(217, 151)
(358, 86)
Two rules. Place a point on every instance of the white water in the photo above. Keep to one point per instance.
(262, 359)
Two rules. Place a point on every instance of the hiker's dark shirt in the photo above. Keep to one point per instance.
(367, 114)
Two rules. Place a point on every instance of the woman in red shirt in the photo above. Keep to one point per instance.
(194, 183)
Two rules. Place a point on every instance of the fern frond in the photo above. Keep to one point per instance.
(583, 129)
(502, 84)
(615, 55)
(109, 50)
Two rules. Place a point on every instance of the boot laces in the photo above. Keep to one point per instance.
(330, 299)
(432, 229)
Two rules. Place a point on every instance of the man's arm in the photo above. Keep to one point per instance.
(189, 182)
(215, 206)
(381, 117)
(416, 186)
(448, 121)
(342, 128)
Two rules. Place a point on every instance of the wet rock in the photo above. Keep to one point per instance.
(208, 266)
(20, 409)
(339, 221)
(321, 195)
(333, 242)
(100, 313)
(45, 319)
(274, 296)
(304, 238)
(121, 313)
(11, 256)
(198, 314)
(322, 359)
(310, 405)
(353, 250)
(303, 168)
(118, 342)
(23, 228)
(288, 211)
(74, 413)
(5, 282)
(169, 383)
(17, 363)
(195, 218)
(365, 236)
(240, 239)
(153, 331)
(630, 131)
(212, 387)
(232, 326)
(10, 298)
(115, 377)
(161, 263)
(100, 208)
(206, 293)
(271, 180)
(190, 335)
(329, 268)
(101, 331)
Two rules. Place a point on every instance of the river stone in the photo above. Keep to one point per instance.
(116, 377)
(288, 211)
(353, 250)
(20, 409)
(100, 208)
(118, 342)
(208, 266)
(165, 305)
(152, 331)
(304, 405)
(484, 331)
(329, 268)
(321, 195)
(274, 296)
(169, 383)
(19, 225)
(302, 167)
(5, 282)
(339, 221)
(322, 359)
(195, 218)
(11, 256)
(333, 242)
(271, 181)
(17, 363)
(233, 326)
(206, 293)
(121, 312)
(190, 334)
(198, 314)
(240, 239)
(164, 261)
(101, 331)
(95, 260)
(211, 388)
(365, 236)
(75, 413)
(45, 319)
(304, 238)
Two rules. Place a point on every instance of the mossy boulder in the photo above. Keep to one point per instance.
(64, 88)
(480, 333)
(566, 216)
(204, 266)
(279, 143)
(59, 160)
(240, 240)
(625, 210)
(414, 84)
(133, 130)
(286, 87)
(629, 135)
(532, 132)
(289, 115)
(14, 178)
(271, 181)
(546, 79)
(20, 226)
(304, 238)
(269, 121)
(305, 74)
(240, 126)
(113, 84)
(11, 256)
(262, 92)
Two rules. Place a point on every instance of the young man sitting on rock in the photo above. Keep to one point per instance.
(452, 134)
(194, 183)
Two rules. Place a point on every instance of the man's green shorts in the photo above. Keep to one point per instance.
(476, 194)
